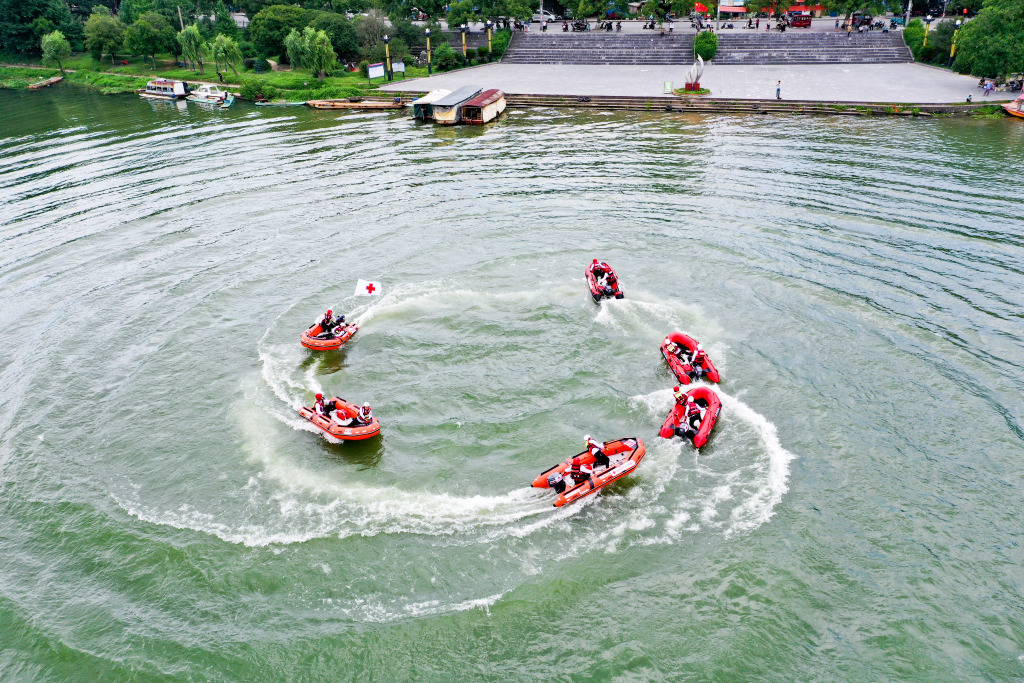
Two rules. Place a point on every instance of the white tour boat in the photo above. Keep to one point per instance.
(163, 90)
(213, 94)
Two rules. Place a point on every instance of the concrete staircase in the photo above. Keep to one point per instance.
(791, 47)
(599, 48)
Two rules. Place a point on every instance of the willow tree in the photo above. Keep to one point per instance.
(311, 50)
(193, 47)
(225, 51)
(56, 49)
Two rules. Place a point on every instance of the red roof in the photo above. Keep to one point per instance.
(485, 98)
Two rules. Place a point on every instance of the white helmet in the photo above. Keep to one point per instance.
(587, 437)
(366, 405)
(689, 399)
(700, 347)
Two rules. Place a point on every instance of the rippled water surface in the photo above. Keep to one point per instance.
(165, 515)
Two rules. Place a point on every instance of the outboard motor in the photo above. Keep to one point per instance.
(557, 482)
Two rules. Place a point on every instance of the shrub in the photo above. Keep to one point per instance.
(499, 42)
(255, 89)
(248, 62)
(705, 44)
(364, 68)
(261, 64)
(470, 54)
(247, 48)
(913, 34)
(446, 58)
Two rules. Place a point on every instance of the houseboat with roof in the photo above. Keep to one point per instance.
(448, 109)
(483, 108)
(162, 89)
(423, 108)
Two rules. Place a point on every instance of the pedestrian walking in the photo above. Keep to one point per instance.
(757, 24)
(778, 90)
(837, 24)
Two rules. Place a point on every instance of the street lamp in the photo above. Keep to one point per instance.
(387, 58)
(927, 25)
(464, 28)
(490, 25)
(952, 49)
(430, 69)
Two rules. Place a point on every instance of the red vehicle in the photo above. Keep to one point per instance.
(802, 21)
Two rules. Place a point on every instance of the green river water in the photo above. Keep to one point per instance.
(166, 516)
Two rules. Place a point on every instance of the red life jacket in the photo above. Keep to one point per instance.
(692, 409)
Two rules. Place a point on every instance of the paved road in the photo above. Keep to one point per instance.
(827, 82)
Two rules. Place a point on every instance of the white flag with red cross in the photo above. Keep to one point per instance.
(367, 288)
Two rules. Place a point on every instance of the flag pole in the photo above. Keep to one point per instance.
(718, 16)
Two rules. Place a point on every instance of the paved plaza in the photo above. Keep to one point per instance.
(819, 82)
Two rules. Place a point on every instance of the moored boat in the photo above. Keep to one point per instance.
(448, 109)
(210, 94)
(43, 84)
(680, 367)
(602, 281)
(163, 89)
(344, 424)
(711, 407)
(1015, 108)
(484, 108)
(623, 455)
(423, 108)
(313, 339)
(361, 104)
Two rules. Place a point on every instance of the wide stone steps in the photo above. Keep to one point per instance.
(811, 48)
(599, 49)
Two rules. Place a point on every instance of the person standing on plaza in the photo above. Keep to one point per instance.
(837, 23)
(757, 24)
(778, 90)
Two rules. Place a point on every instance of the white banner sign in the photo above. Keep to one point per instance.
(376, 71)
(367, 288)
(398, 67)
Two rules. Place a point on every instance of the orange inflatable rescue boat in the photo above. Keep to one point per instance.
(344, 424)
(708, 400)
(602, 281)
(623, 455)
(311, 338)
(680, 368)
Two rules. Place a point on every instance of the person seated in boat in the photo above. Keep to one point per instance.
(678, 395)
(610, 283)
(365, 415)
(557, 482)
(692, 415)
(328, 324)
(579, 471)
(324, 409)
(697, 362)
(676, 350)
(599, 268)
(596, 449)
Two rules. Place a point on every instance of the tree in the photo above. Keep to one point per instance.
(342, 33)
(103, 33)
(56, 49)
(225, 50)
(193, 47)
(460, 13)
(311, 50)
(372, 28)
(992, 44)
(270, 26)
(149, 35)
(409, 32)
(446, 58)
(131, 11)
(224, 24)
(23, 23)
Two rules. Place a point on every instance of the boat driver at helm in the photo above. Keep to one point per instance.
(579, 471)
(596, 449)
(324, 409)
(328, 324)
(699, 358)
(692, 416)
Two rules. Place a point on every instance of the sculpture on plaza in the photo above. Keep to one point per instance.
(694, 73)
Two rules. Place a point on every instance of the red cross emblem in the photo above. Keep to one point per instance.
(370, 288)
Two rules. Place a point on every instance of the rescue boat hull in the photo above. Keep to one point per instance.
(332, 428)
(679, 368)
(624, 454)
(310, 341)
(706, 398)
(598, 292)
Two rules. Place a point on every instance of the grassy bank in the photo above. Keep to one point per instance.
(120, 77)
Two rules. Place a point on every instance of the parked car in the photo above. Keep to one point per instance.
(543, 15)
(801, 21)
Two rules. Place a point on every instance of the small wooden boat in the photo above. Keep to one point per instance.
(448, 109)
(1015, 108)
(362, 104)
(47, 82)
(228, 102)
(162, 89)
(280, 103)
(484, 108)
(423, 108)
